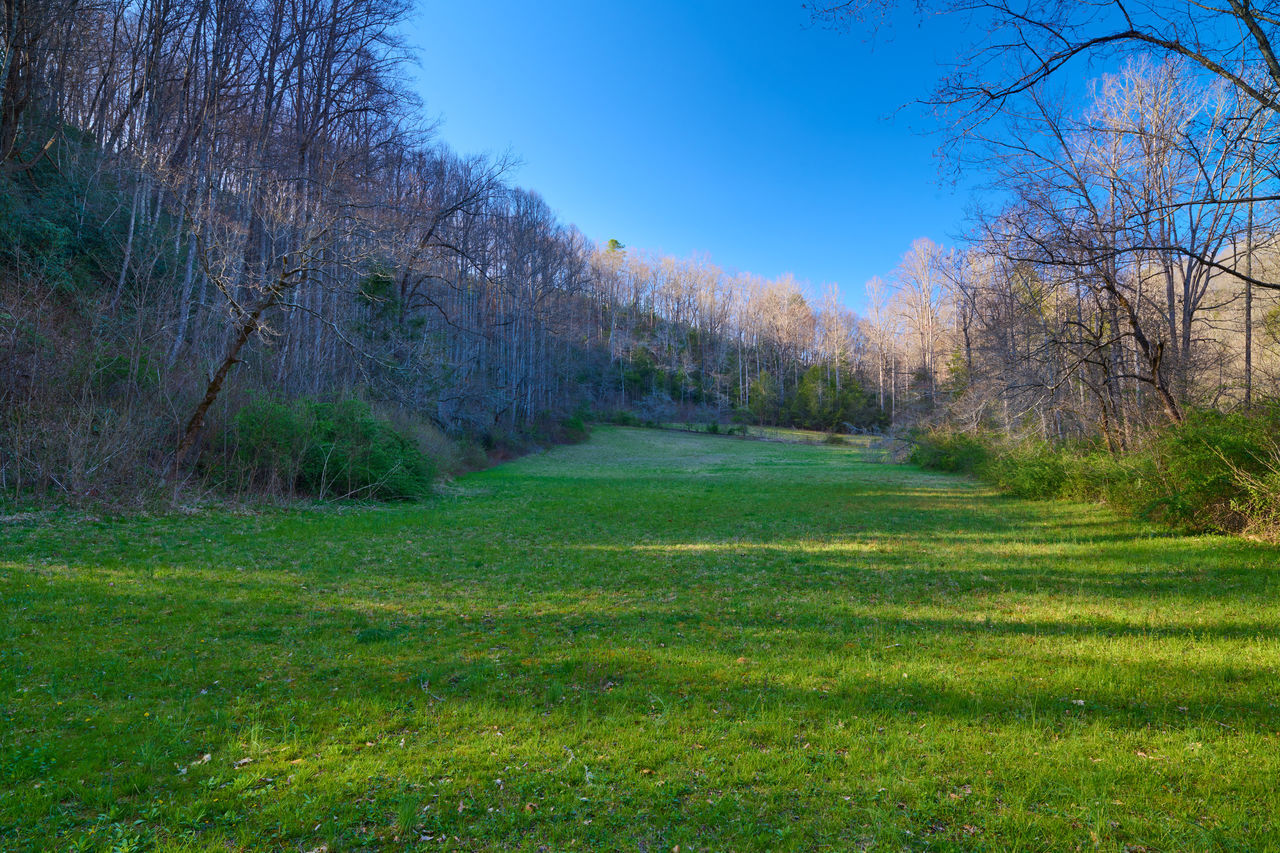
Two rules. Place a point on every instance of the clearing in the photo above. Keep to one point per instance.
(649, 640)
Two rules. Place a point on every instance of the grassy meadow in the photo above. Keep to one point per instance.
(649, 641)
(776, 433)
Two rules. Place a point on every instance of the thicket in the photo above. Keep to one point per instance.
(1213, 472)
(321, 449)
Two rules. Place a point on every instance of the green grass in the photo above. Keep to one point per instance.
(650, 640)
(801, 436)
(774, 433)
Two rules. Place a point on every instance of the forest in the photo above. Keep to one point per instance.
(236, 256)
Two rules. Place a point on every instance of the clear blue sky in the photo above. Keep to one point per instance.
(738, 130)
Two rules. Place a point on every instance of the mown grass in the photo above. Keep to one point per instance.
(774, 433)
(650, 640)
(801, 436)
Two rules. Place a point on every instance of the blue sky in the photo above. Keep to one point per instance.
(738, 130)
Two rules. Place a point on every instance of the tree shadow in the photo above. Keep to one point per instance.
(573, 612)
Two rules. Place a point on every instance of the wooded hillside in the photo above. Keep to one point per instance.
(218, 215)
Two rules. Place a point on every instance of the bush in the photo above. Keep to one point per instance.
(451, 455)
(471, 457)
(1095, 474)
(1028, 471)
(1215, 472)
(500, 444)
(550, 429)
(267, 442)
(943, 450)
(574, 429)
(326, 450)
(656, 408)
(619, 417)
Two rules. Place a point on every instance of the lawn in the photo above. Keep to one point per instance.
(655, 639)
(775, 433)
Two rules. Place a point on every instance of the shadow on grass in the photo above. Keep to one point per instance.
(729, 605)
(812, 657)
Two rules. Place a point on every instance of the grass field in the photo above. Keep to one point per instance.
(651, 640)
(775, 433)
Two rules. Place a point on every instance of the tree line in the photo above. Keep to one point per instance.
(685, 335)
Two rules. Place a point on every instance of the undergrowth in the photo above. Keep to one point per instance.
(1214, 472)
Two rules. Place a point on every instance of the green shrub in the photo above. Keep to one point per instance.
(357, 455)
(551, 429)
(1213, 469)
(574, 429)
(267, 442)
(943, 450)
(449, 453)
(1216, 471)
(619, 417)
(327, 450)
(501, 444)
(1028, 471)
(1095, 474)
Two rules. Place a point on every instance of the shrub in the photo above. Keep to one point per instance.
(500, 444)
(574, 429)
(1262, 499)
(943, 450)
(449, 453)
(327, 450)
(550, 429)
(619, 417)
(471, 456)
(1028, 471)
(656, 408)
(1214, 469)
(268, 440)
(1095, 474)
